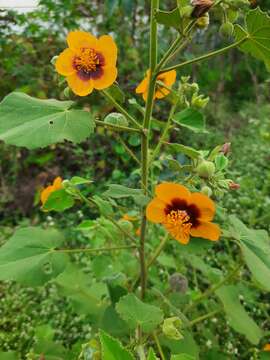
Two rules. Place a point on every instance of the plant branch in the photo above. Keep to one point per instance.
(95, 250)
(206, 56)
(128, 150)
(213, 288)
(121, 109)
(116, 127)
(155, 337)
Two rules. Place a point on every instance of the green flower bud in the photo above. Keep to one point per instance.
(206, 169)
(203, 21)
(116, 119)
(53, 59)
(199, 101)
(170, 328)
(206, 191)
(226, 29)
(67, 92)
(186, 11)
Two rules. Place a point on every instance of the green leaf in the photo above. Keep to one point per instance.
(183, 357)
(151, 355)
(112, 323)
(115, 118)
(112, 349)
(34, 123)
(119, 192)
(185, 346)
(136, 313)
(170, 18)
(238, 318)
(221, 162)
(191, 119)
(104, 206)
(77, 180)
(258, 31)
(86, 298)
(114, 90)
(58, 201)
(10, 355)
(255, 245)
(187, 150)
(45, 346)
(29, 257)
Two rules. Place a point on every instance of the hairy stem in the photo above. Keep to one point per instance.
(95, 250)
(120, 108)
(117, 127)
(145, 137)
(206, 56)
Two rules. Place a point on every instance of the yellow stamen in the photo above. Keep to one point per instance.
(177, 223)
(87, 60)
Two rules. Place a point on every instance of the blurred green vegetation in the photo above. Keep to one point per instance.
(239, 113)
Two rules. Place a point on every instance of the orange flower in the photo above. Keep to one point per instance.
(88, 63)
(266, 347)
(57, 185)
(168, 78)
(183, 213)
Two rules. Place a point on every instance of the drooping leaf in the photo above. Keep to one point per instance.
(238, 318)
(112, 349)
(191, 119)
(86, 298)
(255, 245)
(119, 192)
(187, 150)
(34, 123)
(29, 256)
(58, 201)
(258, 31)
(10, 355)
(137, 313)
(151, 355)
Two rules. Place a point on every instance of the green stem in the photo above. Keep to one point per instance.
(206, 56)
(120, 108)
(155, 337)
(213, 288)
(158, 250)
(204, 317)
(95, 250)
(163, 135)
(117, 127)
(128, 150)
(145, 137)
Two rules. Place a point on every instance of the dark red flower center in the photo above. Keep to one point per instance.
(191, 210)
(89, 64)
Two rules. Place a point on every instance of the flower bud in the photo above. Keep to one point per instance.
(226, 30)
(186, 11)
(234, 186)
(178, 283)
(201, 7)
(226, 148)
(206, 169)
(206, 191)
(199, 101)
(203, 21)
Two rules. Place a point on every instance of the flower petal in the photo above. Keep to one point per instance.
(142, 87)
(57, 184)
(106, 79)
(170, 77)
(81, 39)
(183, 239)
(169, 191)
(78, 86)
(108, 48)
(206, 230)
(155, 211)
(205, 205)
(45, 193)
(64, 63)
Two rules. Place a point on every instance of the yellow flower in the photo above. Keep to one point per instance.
(266, 347)
(168, 78)
(45, 193)
(88, 63)
(183, 213)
